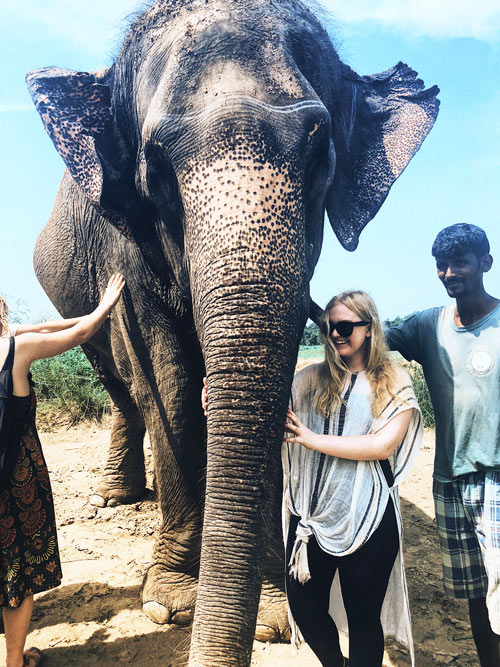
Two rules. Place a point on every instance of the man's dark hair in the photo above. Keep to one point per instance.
(459, 239)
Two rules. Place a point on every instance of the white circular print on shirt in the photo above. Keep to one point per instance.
(481, 361)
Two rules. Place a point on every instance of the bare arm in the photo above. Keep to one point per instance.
(369, 447)
(31, 346)
(51, 326)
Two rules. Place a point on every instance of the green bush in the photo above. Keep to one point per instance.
(311, 336)
(422, 393)
(68, 385)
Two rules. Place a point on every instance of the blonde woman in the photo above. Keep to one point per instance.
(353, 431)
(28, 541)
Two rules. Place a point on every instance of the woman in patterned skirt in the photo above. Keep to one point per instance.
(28, 541)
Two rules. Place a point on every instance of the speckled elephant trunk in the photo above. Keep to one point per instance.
(245, 225)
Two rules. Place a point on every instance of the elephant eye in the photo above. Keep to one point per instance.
(158, 166)
(317, 170)
(152, 170)
(161, 180)
(318, 132)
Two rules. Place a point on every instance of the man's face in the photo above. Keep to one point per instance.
(462, 275)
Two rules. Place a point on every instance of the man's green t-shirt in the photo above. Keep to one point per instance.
(462, 369)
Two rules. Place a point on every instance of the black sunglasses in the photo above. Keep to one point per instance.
(345, 328)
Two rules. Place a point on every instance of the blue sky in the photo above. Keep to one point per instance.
(455, 177)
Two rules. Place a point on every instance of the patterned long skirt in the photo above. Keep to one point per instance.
(29, 560)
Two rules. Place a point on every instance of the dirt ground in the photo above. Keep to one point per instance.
(94, 618)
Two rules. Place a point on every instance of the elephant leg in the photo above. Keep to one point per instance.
(123, 479)
(169, 592)
(168, 377)
(171, 581)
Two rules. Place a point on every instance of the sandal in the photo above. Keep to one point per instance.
(32, 657)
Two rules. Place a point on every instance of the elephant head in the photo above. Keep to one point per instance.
(215, 143)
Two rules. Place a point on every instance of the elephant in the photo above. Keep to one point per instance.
(201, 164)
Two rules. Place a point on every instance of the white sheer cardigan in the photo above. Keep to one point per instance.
(341, 502)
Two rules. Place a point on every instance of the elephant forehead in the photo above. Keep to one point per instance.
(280, 84)
(209, 50)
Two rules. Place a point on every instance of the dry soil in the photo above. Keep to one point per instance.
(94, 618)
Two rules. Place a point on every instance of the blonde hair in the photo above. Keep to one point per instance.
(4, 320)
(380, 370)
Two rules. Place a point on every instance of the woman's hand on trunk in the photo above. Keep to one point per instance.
(368, 447)
(300, 433)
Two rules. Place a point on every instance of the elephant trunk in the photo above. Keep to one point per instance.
(248, 358)
(247, 253)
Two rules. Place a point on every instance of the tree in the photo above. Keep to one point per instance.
(311, 335)
(393, 323)
(396, 321)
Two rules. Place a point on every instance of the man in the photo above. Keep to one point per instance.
(459, 349)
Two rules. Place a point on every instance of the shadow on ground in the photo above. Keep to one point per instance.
(441, 629)
(96, 609)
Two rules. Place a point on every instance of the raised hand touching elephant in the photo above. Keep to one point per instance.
(203, 161)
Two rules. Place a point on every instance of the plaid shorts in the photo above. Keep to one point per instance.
(468, 520)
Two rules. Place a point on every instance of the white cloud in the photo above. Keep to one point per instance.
(478, 19)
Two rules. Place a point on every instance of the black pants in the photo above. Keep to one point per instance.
(364, 576)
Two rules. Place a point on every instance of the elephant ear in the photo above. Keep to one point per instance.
(75, 108)
(379, 123)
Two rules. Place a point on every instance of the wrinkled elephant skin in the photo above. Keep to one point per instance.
(201, 164)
